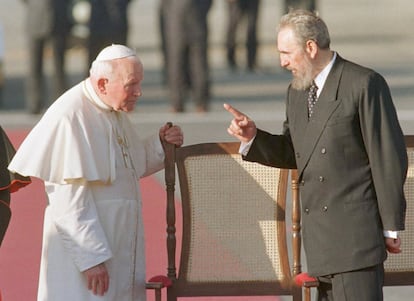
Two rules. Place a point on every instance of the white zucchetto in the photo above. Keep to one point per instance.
(114, 52)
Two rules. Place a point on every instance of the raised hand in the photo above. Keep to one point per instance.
(241, 127)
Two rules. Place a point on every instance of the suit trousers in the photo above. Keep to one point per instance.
(187, 46)
(361, 285)
(36, 90)
(238, 9)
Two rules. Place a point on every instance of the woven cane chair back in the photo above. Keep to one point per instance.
(399, 268)
(234, 230)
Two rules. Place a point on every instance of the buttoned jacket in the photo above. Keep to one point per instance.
(352, 163)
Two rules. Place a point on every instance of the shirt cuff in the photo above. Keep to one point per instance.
(391, 234)
(245, 147)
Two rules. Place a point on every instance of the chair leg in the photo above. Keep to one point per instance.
(157, 287)
(307, 294)
(157, 294)
(297, 294)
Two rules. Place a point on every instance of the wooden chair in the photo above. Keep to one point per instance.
(234, 239)
(399, 268)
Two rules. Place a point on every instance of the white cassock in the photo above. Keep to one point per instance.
(90, 159)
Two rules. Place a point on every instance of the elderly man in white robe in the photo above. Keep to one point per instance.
(87, 152)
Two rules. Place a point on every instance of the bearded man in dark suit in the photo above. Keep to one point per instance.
(351, 158)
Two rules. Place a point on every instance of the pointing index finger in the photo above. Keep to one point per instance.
(237, 114)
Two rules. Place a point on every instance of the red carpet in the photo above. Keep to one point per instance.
(20, 252)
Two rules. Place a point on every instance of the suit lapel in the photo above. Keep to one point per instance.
(312, 129)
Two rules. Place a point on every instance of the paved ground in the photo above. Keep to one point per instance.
(380, 38)
(375, 33)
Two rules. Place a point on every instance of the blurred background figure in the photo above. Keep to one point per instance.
(186, 32)
(162, 11)
(108, 25)
(303, 4)
(46, 21)
(238, 10)
(81, 14)
(1, 64)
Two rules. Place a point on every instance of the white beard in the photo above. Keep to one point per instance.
(304, 80)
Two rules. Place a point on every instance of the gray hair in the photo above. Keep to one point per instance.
(306, 26)
(101, 69)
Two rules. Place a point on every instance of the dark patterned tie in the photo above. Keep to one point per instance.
(312, 97)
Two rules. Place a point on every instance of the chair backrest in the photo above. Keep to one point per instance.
(234, 229)
(399, 268)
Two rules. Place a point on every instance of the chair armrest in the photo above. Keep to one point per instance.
(162, 279)
(157, 283)
(304, 280)
(154, 285)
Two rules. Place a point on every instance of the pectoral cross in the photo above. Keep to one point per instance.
(123, 143)
(122, 140)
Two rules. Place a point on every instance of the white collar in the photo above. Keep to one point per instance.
(93, 97)
(320, 79)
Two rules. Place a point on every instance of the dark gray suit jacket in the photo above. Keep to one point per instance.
(109, 18)
(352, 162)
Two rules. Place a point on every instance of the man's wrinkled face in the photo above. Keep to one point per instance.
(124, 87)
(294, 58)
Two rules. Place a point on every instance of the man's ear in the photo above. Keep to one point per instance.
(102, 85)
(311, 48)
